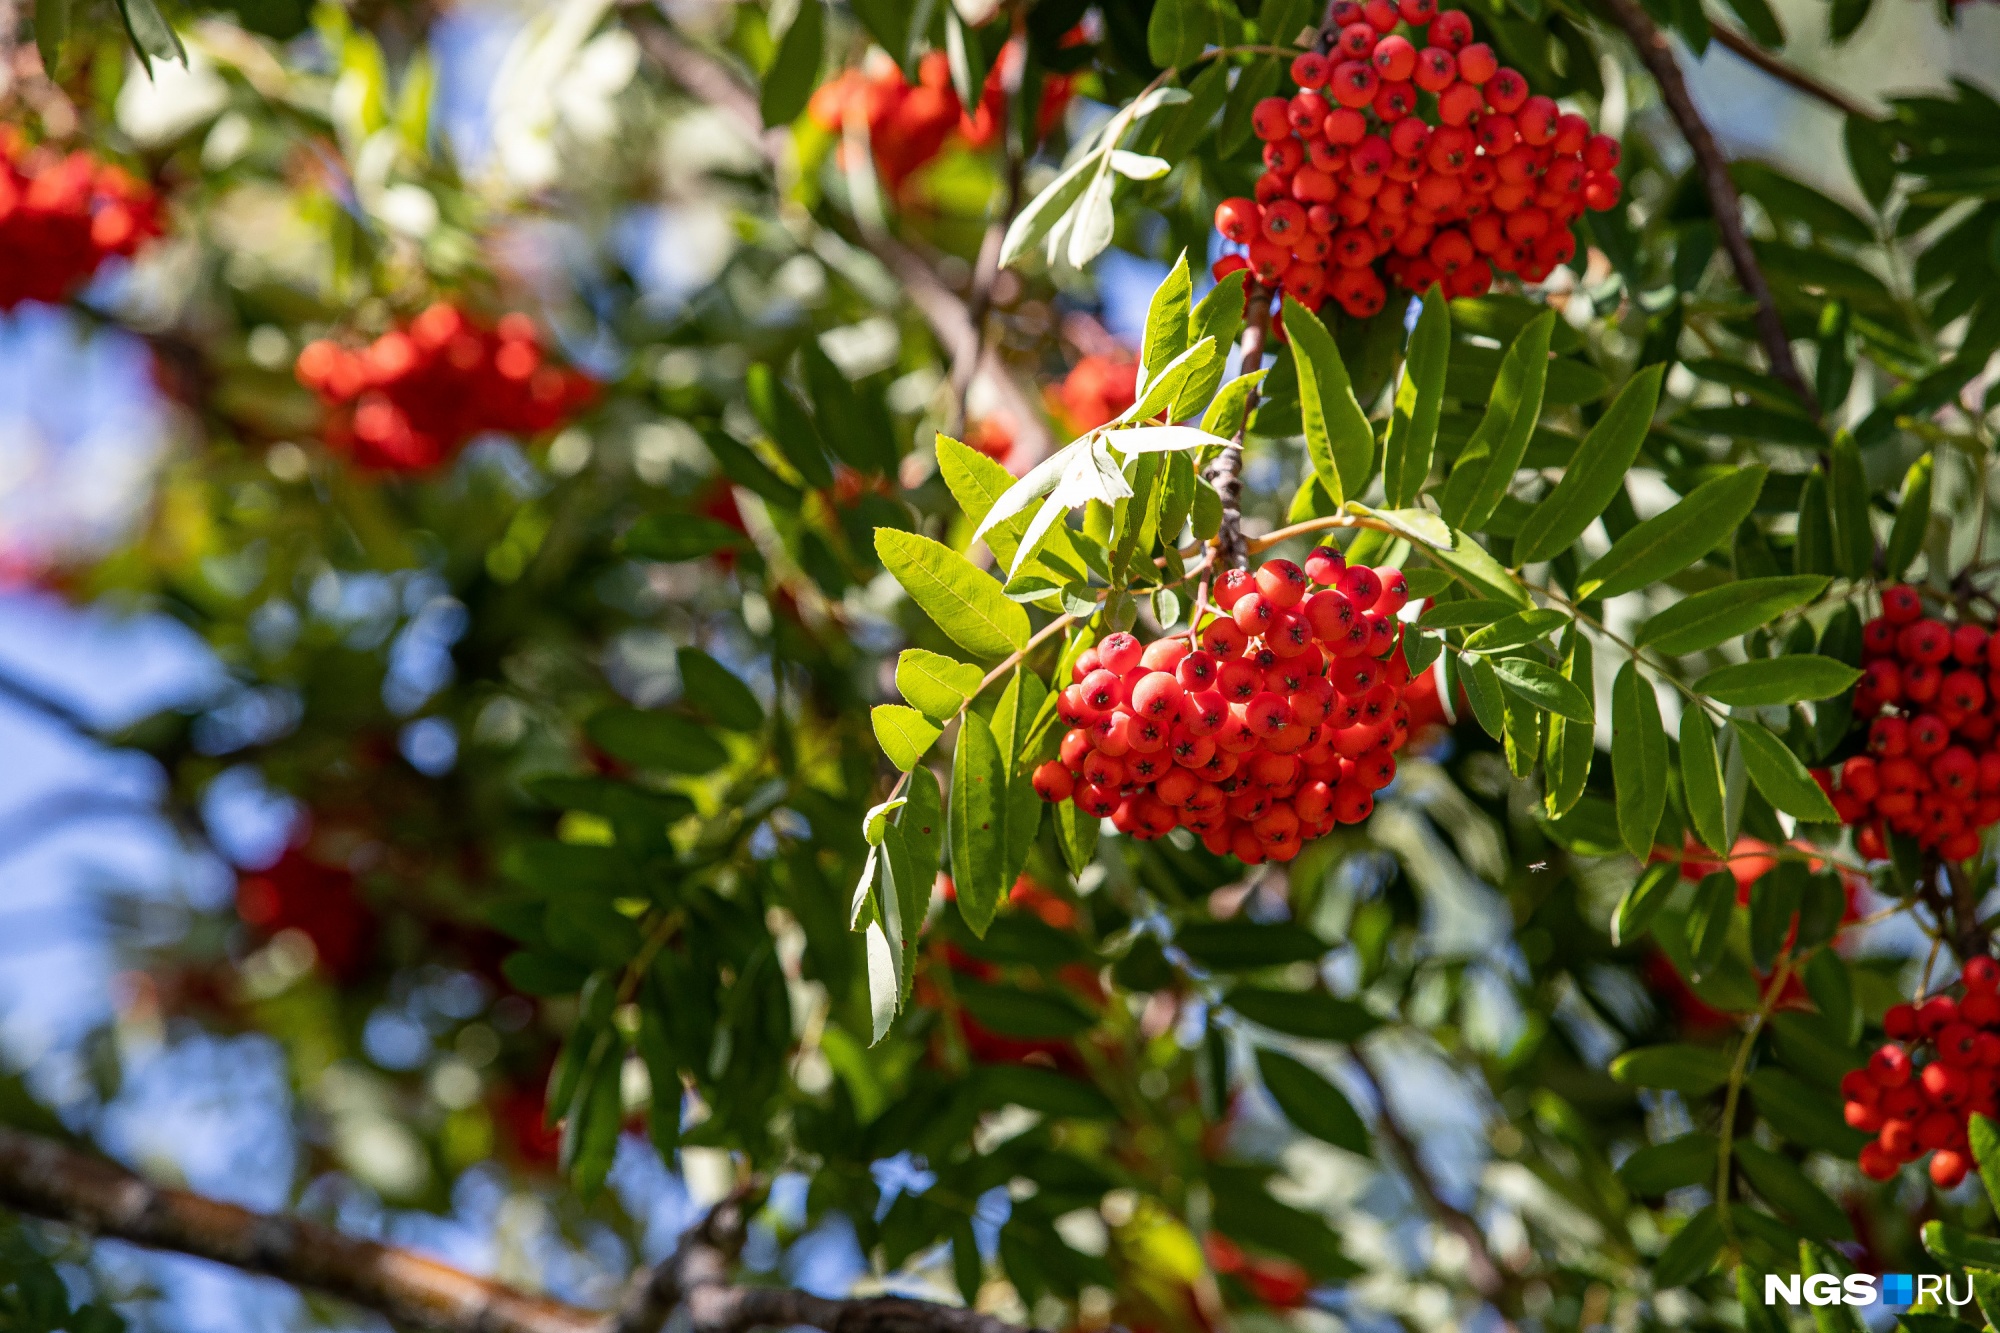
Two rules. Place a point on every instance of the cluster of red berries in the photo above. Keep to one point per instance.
(61, 216)
(1284, 722)
(409, 400)
(1433, 159)
(1914, 1109)
(1930, 700)
(909, 125)
(1096, 389)
(319, 901)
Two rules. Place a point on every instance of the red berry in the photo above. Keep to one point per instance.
(1901, 604)
(1239, 220)
(1052, 782)
(1269, 119)
(1477, 63)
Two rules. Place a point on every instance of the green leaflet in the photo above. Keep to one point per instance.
(1412, 438)
(1339, 439)
(912, 844)
(1913, 518)
(1487, 465)
(1692, 1251)
(1853, 536)
(1708, 922)
(1595, 475)
(1660, 1167)
(1521, 713)
(1985, 1140)
(1638, 760)
(1767, 682)
(1482, 690)
(1218, 316)
(717, 691)
(965, 601)
(1076, 834)
(904, 734)
(978, 824)
(1701, 779)
(1717, 615)
(1669, 542)
(1787, 1189)
(1311, 1103)
(677, 537)
(1224, 416)
(1641, 903)
(1515, 631)
(1694, 1070)
(1778, 774)
(1476, 566)
(1801, 1112)
(935, 685)
(663, 741)
(1812, 552)
(1544, 687)
(1166, 335)
(788, 84)
(1571, 744)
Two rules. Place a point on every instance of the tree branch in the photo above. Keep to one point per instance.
(1226, 473)
(950, 319)
(49, 1179)
(1789, 75)
(1727, 206)
(1493, 1283)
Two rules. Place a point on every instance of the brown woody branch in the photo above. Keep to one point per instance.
(1658, 57)
(45, 1178)
(1493, 1283)
(1789, 75)
(1226, 473)
(951, 320)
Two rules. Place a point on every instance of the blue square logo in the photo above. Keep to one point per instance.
(1898, 1289)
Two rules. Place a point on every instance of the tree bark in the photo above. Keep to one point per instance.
(48, 1179)
(1226, 474)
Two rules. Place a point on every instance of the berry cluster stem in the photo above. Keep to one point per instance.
(1658, 57)
(1227, 472)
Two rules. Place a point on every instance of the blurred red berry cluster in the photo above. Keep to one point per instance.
(412, 398)
(982, 1044)
(1096, 390)
(1278, 1283)
(1915, 1108)
(1284, 722)
(1931, 703)
(61, 216)
(908, 125)
(317, 900)
(1427, 163)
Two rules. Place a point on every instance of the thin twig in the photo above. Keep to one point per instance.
(1785, 73)
(950, 320)
(1658, 57)
(1493, 1283)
